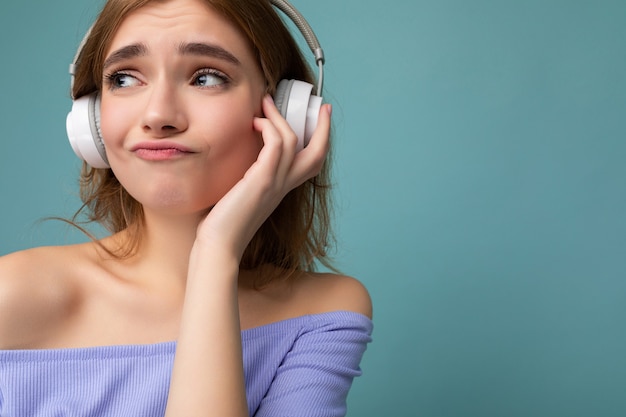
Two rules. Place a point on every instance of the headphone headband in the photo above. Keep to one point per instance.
(308, 34)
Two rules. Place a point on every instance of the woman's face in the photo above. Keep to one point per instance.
(180, 90)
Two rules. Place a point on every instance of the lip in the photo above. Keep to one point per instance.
(161, 145)
(160, 151)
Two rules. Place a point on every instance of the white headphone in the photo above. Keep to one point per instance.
(293, 99)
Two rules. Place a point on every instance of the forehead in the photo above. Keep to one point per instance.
(168, 23)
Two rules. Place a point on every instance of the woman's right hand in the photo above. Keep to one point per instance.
(234, 220)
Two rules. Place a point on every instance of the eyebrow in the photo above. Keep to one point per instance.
(191, 48)
(204, 49)
(126, 52)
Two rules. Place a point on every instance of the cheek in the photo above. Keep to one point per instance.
(234, 147)
(112, 124)
(233, 135)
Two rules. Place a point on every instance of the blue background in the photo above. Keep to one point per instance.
(480, 190)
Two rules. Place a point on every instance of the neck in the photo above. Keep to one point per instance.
(163, 251)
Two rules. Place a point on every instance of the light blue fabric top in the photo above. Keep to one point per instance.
(294, 368)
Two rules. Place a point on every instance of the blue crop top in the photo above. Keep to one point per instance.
(297, 367)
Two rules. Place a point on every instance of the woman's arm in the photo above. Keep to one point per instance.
(207, 376)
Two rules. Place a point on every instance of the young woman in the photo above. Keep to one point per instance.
(202, 301)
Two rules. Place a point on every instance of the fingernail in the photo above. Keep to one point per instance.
(329, 108)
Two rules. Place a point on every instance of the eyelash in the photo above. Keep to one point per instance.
(112, 79)
(224, 79)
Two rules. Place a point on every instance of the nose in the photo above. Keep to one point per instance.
(164, 115)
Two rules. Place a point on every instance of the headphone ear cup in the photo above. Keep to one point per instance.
(299, 107)
(83, 131)
(281, 97)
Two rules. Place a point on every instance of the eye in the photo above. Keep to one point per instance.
(120, 80)
(209, 78)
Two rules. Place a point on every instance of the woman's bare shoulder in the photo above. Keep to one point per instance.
(303, 293)
(325, 292)
(35, 293)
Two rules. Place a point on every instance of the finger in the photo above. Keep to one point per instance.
(273, 114)
(288, 136)
(310, 160)
(272, 150)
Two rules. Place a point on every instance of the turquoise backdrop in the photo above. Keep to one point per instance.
(481, 194)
